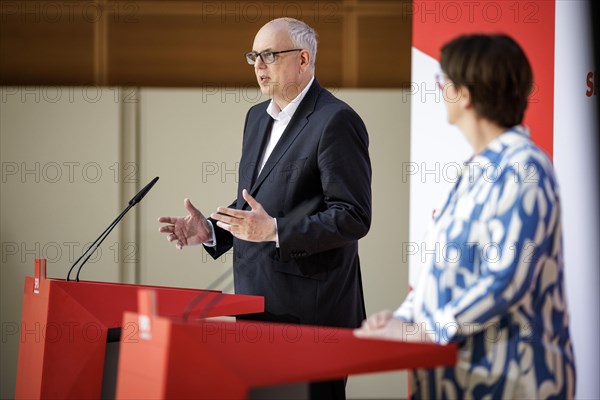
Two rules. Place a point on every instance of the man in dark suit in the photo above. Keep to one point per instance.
(304, 194)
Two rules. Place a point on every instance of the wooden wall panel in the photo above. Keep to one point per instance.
(384, 52)
(196, 43)
(195, 49)
(45, 43)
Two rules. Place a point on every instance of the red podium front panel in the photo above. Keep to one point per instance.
(65, 324)
(224, 360)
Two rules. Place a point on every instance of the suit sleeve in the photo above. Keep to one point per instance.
(345, 174)
(224, 239)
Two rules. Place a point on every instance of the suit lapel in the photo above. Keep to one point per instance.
(296, 125)
(257, 148)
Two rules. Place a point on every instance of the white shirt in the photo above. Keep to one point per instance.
(281, 120)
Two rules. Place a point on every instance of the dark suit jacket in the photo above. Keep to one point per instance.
(317, 183)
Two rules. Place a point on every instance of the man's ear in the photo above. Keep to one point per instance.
(305, 58)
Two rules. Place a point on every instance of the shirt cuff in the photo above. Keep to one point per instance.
(403, 313)
(276, 234)
(213, 241)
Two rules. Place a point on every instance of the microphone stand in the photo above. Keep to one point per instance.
(136, 199)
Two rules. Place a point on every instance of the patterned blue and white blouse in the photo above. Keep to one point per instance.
(491, 280)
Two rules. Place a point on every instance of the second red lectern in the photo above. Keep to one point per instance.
(65, 325)
(174, 359)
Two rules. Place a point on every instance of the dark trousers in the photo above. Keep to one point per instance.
(328, 390)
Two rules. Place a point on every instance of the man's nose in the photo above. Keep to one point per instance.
(259, 63)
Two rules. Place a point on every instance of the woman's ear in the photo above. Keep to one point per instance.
(465, 98)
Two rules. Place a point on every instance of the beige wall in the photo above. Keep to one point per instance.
(55, 142)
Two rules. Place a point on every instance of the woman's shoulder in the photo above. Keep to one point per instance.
(525, 159)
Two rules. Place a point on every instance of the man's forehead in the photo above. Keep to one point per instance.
(270, 39)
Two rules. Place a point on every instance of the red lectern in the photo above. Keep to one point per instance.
(65, 324)
(215, 359)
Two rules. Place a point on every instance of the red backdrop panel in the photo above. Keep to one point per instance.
(530, 23)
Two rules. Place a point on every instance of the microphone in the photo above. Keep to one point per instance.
(94, 246)
(140, 195)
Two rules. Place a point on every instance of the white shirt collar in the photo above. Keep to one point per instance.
(288, 112)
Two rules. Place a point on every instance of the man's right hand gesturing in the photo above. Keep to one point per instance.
(193, 229)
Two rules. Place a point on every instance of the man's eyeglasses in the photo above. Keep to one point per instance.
(268, 57)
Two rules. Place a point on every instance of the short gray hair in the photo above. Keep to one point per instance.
(302, 36)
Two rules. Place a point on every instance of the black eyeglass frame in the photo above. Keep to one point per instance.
(262, 54)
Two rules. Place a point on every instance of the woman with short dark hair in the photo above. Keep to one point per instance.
(495, 283)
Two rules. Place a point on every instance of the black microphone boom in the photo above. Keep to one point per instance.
(94, 246)
(140, 195)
